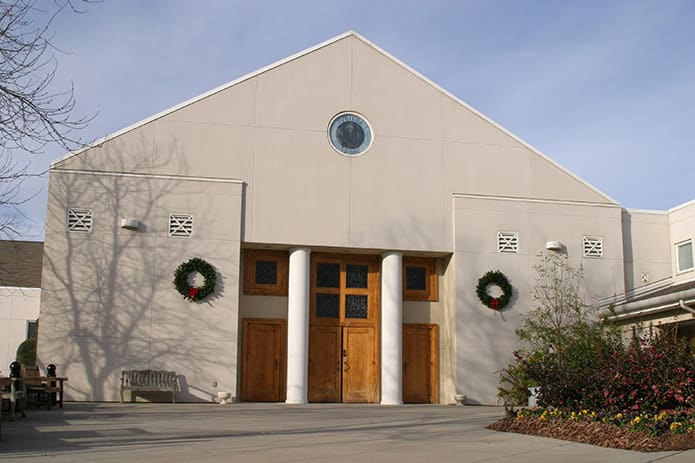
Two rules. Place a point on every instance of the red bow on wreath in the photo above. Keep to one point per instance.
(192, 292)
(494, 303)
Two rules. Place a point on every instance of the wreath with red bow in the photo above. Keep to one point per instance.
(195, 293)
(494, 278)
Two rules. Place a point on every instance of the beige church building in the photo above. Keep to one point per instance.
(348, 207)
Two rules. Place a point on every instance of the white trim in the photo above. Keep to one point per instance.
(692, 256)
(647, 211)
(623, 298)
(202, 96)
(648, 311)
(154, 176)
(21, 288)
(533, 200)
(681, 206)
(308, 51)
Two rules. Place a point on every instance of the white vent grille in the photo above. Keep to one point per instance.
(593, 246)
(508, 242)
(79, 220)
(180, 225)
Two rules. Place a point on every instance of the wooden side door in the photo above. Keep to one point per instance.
(420, 363)
(359, 364)
(263, 360)
(324, 363)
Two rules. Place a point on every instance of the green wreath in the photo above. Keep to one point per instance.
(495, 278)
(193, 293)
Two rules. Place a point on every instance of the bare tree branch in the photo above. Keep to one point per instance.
(32, 114)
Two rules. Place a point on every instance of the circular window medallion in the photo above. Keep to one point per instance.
(350, 134)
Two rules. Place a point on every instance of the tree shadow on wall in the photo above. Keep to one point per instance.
(108, 301)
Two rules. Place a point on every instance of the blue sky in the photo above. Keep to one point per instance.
(605, 88)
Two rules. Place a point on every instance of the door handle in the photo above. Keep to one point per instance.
(344, 353)
(347, 366)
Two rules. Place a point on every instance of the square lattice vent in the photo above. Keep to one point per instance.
(593, 246)
(79, 220)
(508, 242)
(181, 225)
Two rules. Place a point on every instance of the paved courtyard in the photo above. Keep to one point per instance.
(279, 433)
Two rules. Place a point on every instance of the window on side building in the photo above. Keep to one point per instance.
(684, 256)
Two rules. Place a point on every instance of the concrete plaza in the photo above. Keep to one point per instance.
(277, 433)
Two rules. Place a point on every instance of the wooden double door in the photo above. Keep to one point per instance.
(343, 334)
(342, 364)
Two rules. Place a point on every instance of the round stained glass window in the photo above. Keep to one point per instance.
(350, 134)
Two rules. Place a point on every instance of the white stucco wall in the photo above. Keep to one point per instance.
(269, 131)
(17, 306)
(108, 295)
(646, 247)
(486, 338)
(682, 227)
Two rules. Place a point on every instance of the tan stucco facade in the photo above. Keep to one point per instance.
(252, 162)
(18, 306)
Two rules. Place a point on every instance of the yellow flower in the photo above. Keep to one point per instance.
(675, 425)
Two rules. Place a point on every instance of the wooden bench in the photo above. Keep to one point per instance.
(149, 381)
(43, 390)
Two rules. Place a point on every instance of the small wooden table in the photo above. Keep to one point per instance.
(47, 385)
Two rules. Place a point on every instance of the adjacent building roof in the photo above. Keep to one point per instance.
(20, 263)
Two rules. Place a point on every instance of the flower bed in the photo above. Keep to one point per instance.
(667, 430)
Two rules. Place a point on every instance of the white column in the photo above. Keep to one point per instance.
(392, 328)
(298, 327)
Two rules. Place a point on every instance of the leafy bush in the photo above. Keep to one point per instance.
(650, 374)
(26, 353)
(574, 370)
(580, 363)
(514, 384)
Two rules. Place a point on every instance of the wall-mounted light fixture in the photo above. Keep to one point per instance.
(130, 223)
(553, 246)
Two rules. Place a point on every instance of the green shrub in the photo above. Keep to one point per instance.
(514, 384)
(575, 369)
(650, 374)
(580, 363)
(26, 353)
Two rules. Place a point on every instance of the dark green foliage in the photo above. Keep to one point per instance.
(514, 384)
(192, 293)
(497, 278)
(26, 353)
(582, 364)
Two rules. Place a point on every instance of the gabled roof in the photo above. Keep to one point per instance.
(272, 66)
(21, 263)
